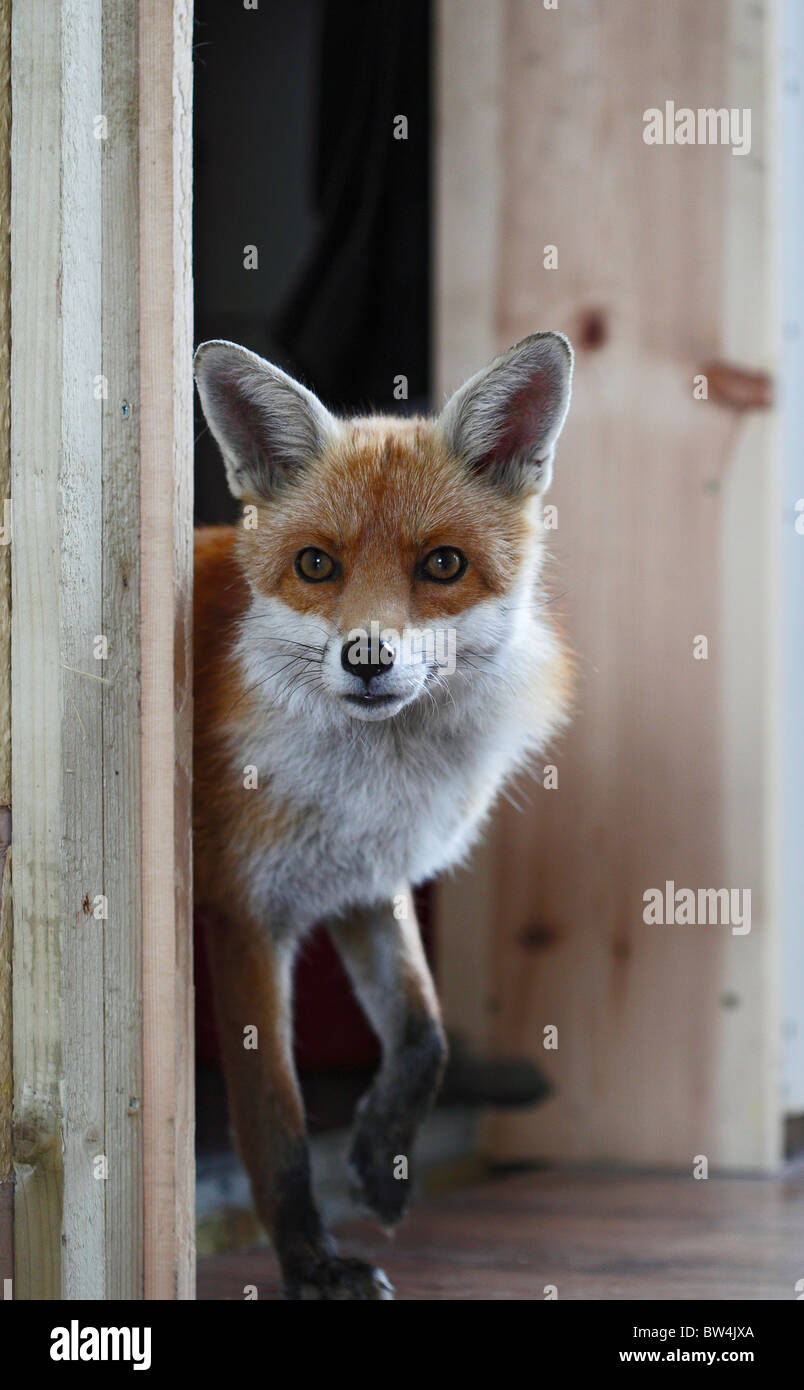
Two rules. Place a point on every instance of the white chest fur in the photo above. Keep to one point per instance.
(377, 806)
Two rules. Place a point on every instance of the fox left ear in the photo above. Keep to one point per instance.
(505, 420)
(268, 426)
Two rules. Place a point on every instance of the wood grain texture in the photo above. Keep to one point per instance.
(667, 1035)
(37, 682)
(6, 1080)
(79, 559)
(468, 114)
(166, 461)
(85, 392)
(748, 1059)
(121, 627)
(593, 1235)
(5, 407)
(184, 1157)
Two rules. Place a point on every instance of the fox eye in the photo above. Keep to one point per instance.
(445, 565)
(314, 565)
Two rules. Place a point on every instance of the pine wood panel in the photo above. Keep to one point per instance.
(101, 450)
(468, 115)
(121, 625)
(668, 1042)
(37, 706)
(166, 491)
(6, 1084)
(78, 504)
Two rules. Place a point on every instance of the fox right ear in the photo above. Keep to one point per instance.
(504, 421)
(268, 426)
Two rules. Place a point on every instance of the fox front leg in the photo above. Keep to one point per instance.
(382, 951)
(253, 998)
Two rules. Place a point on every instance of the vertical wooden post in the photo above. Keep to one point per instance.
(43, 483)
(6, 1161)
(166, 489)
(468, 105)
(121, 577)
(102, 970)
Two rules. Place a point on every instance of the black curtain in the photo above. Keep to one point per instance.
(295, 113)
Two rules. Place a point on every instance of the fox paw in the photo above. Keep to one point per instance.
(373, 1166)
(337, 1277)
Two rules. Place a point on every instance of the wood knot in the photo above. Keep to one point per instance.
(737, 388)
(593, 329)
(538, 936)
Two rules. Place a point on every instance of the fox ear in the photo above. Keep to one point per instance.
(505, 420)
(267, 426)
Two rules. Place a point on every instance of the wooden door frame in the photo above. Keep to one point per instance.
(101, 714)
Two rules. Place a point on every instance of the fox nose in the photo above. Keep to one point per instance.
(356, 658)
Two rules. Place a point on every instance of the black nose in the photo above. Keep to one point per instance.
(357, 657)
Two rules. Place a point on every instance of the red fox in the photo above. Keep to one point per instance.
(373, 657)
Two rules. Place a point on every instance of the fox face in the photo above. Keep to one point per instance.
(392, 563)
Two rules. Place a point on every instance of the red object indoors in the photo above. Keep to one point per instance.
(330, 1029)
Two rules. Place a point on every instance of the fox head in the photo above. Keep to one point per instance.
(389, 560)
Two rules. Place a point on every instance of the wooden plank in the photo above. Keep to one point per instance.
(183, 493)
(5, 405)
(59, 991)
(749, 1039)
(469, 89)
(468, 115)
(36, 439)
(121, 627)
(648, 790)
(93, 129)
(6, 1152)
(667, 1036)
(166, 460)
(791, 611)
(6, 1060)
(79, 521)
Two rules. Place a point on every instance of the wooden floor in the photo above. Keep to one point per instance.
(595, 1236)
